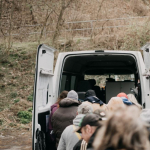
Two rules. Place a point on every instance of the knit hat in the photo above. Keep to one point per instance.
(72, 94)
(85, 108)
(122, 95)
(90, 93)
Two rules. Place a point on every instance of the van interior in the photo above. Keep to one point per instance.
(107, 74)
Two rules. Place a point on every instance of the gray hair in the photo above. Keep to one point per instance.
(85, 108)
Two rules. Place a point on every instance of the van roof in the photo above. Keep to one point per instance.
(101, 51)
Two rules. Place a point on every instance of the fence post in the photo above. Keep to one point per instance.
(91, 22)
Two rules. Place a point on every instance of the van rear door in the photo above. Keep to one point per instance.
(146, 54)
(43, 86)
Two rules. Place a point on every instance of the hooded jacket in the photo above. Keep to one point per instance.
(94, 99)
(91, 97)
(69, 138)
(64, 116)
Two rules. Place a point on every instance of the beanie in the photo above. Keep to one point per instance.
(72, 94)
(122, 95)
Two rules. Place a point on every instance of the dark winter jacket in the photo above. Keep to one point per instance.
(53, 109)
(64, 116)
(94, 99)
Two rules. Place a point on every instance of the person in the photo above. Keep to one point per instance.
(50, 137)
(65, 114)
(55, 106)
(88, 127)
(69, 138)
(123, 130)
(90, 97)
(132, 99)
(115, 103)
(124, 98)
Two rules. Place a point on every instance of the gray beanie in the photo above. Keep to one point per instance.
(84, 108)
(72, 94)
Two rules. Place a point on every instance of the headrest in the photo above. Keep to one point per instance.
(83, 86)
(92, 82)
(81, 95)
(110, 79)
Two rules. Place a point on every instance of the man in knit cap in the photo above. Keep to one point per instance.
(65, 114)
(69, 138)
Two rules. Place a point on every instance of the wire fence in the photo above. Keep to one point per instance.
(86, 28)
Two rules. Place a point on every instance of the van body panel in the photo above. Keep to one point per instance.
(43, 88)
(146, 73)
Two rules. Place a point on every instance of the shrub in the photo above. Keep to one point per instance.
(25, 116)
(16, 100)
(12, 124)
(1, 121)
(13, 95)
(30, 109)
(30, 98)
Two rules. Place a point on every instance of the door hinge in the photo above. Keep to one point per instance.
(46, 72)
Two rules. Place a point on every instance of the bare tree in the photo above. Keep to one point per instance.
(64, 4)
(44, 25)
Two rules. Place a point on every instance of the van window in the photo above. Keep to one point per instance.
(68, 82)
(73, 78)
(63, 82)
(101, 79)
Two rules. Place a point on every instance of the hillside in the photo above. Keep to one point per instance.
(80, 25)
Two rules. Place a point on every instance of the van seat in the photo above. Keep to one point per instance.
(95, 88)
(110, 80)
(81, 95)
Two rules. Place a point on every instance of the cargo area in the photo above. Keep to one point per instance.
(107, 74)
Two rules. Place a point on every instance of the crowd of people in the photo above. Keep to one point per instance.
(90, 124)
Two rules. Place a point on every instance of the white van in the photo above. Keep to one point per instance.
(120, 71)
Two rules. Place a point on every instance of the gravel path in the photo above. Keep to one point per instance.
(18, 140)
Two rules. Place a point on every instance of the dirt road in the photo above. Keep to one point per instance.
(16, 140)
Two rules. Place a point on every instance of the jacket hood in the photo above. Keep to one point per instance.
(126, 101)
(53, 106)
(66, 102)
(77, 119)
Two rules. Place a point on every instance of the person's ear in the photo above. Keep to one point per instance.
(88, 128)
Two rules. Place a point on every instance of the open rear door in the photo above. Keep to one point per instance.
(146, 54)
(42, 87)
